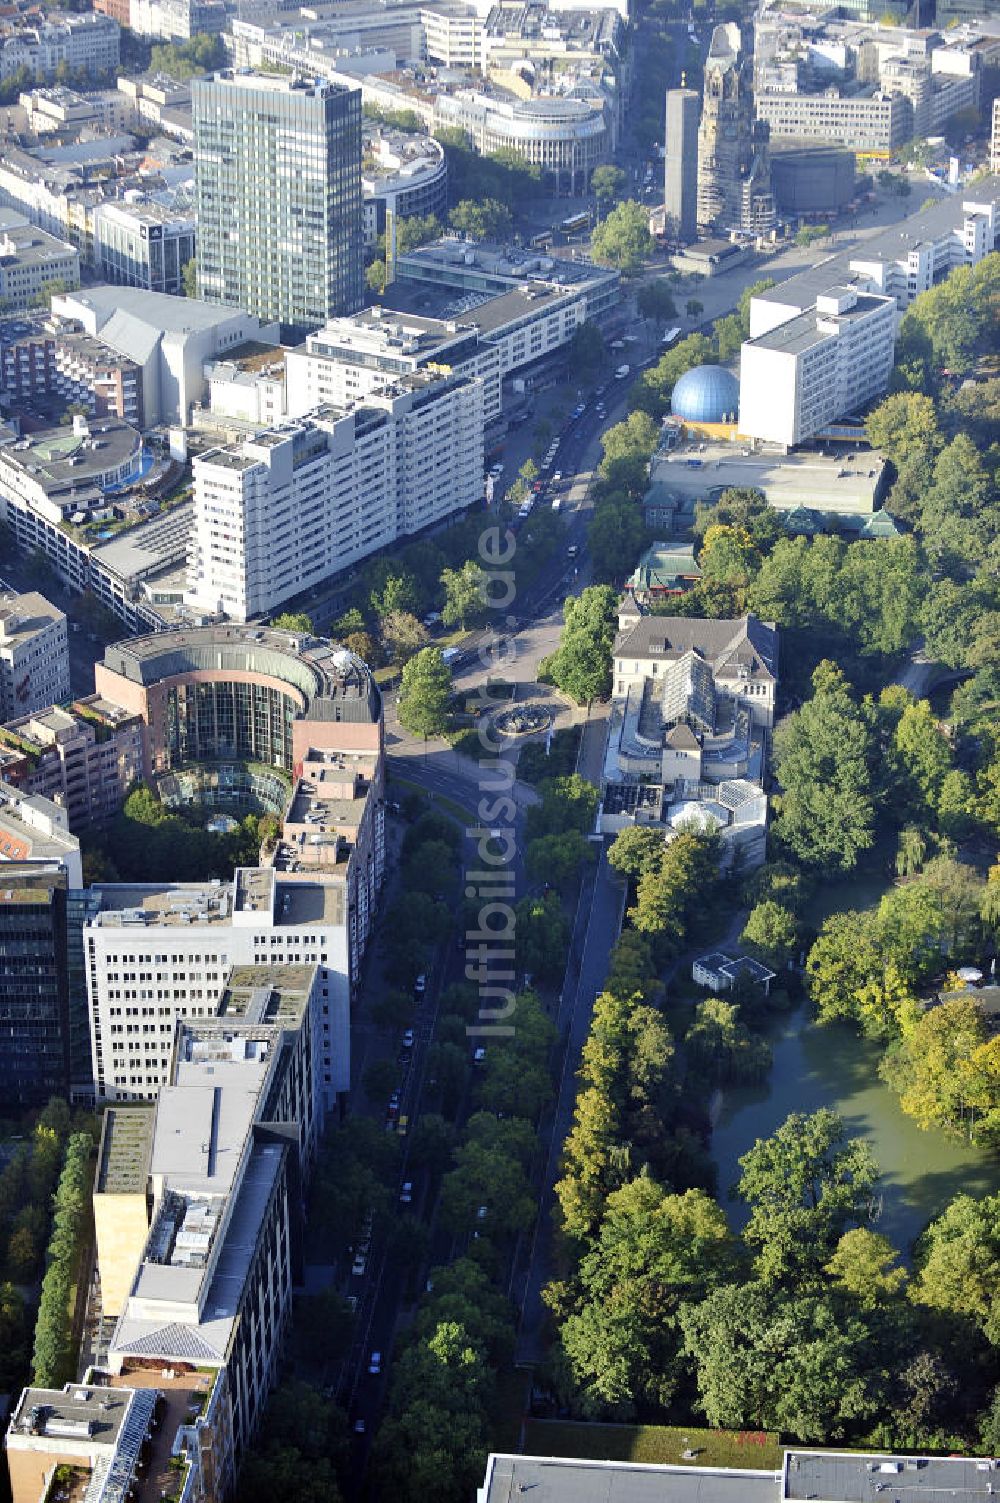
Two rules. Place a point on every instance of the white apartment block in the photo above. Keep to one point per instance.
(287, 508)
(995, 137)
(350, 358)
(161, 952)
(813, 368)
(34, 655)
(90, 42)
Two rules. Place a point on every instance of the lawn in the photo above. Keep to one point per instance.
(664, 1444)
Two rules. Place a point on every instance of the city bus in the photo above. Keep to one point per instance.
(542, 241)
(576, 222)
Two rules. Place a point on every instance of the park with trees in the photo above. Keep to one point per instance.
(798, 1315)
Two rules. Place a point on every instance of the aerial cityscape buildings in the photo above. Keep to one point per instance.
(499, 751)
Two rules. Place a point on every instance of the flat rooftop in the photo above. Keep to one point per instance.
(787, 480)
(509, 263)
(804, 330)
(549, 1480)
(266, 994)
(927, 226)
(148, 546)
(78, 1404)
(57, 459)
(177, 904)
(123, 1157)
(143, 1332)
(23, 616)
(334, 684)
(840, 1477)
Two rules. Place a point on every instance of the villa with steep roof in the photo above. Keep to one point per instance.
(707, 661)
(687, 738)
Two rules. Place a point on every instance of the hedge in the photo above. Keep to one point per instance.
(53, 1359)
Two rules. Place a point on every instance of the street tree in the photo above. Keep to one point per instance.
(482, 219)
(608, 183)
(465, 594)
(636, 849)
(654, 1251)
(655, 300)
(424, 694)
(581, 665)
(623, 239)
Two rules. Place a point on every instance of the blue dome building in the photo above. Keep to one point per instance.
(706, 394)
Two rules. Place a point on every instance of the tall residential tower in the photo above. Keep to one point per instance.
(681, 173)
(278, 163)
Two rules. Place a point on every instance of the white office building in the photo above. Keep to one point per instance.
(161, 952)
(32, 261)
(808, 370)
(287, 508)
(34, 654)
(144, 245)
(901, 262)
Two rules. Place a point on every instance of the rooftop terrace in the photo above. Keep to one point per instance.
(123, 1158)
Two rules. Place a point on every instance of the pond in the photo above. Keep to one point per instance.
(831, 1066)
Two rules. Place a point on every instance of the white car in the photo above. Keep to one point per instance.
(375, 1364)
(420, 985)
(496, 470)
(358, 1266)
(406, 1193)
(556, 476)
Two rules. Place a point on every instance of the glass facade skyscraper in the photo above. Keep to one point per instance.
(278, 163)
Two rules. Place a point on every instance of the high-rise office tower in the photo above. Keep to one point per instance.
(278, 164)
(681, 169)
(734, 180)
(39, 866)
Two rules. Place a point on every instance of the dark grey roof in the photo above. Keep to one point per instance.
(728, 646)
(839, 1477)
(530, 1479)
